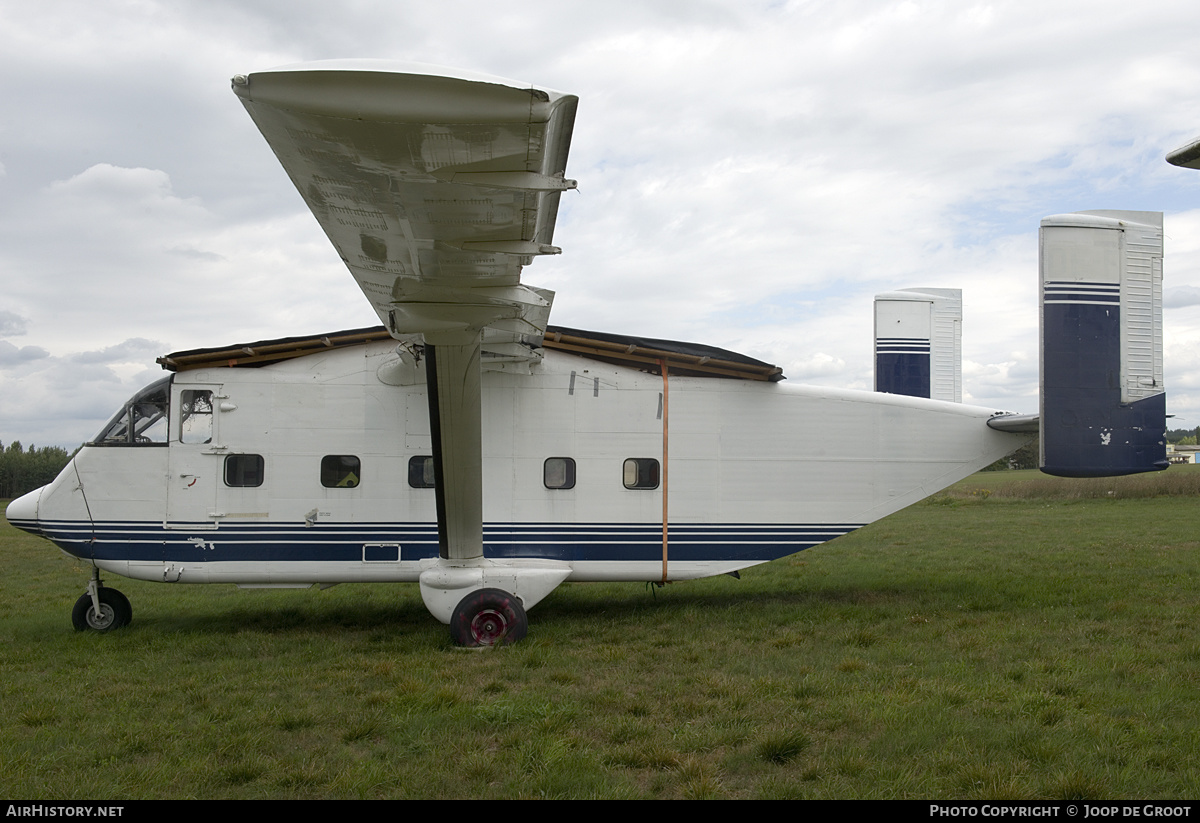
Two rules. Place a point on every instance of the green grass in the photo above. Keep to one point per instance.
(975, 646)
(1180, 481)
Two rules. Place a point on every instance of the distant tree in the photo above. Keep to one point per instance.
(24, 470)
(1025, 457)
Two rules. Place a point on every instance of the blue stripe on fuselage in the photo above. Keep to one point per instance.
(337, 543)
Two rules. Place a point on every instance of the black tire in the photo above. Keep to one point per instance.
(115, 612)
(488, 617)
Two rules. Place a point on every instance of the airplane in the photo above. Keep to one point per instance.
(1186, 157)
(469, 447)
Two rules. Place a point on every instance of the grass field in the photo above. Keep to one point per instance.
(974, 646)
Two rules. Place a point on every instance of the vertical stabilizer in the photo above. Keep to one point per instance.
(918, 343)
(1103, 406)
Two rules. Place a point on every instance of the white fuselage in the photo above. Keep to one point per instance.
(753, 471)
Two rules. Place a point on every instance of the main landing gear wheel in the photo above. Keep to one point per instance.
(488, 617)
(115, 612)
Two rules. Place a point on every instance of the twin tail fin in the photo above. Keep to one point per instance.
(1103, 404)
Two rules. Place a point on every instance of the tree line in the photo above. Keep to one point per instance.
(23, 470)
(1026, 457)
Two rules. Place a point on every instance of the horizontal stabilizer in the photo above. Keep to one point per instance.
(1103, 405)
(1015, 423)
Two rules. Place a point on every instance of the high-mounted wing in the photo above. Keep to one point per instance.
(1187, 157)
(435, 187)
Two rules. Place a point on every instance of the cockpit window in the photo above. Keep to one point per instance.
(142, 421)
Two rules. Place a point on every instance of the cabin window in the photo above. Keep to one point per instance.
(142, 421)
(641, 473)
(420, 472)
(195, 416)
(244, 470)
(558, 473)
(340, 471)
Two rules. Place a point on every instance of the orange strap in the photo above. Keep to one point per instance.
(666, 402)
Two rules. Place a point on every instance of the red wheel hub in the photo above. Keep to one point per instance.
(488, 627)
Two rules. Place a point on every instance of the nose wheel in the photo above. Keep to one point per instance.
(114, 611)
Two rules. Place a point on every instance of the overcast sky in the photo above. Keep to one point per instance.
(750, 175)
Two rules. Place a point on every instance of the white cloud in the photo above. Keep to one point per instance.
(64, 400)
(134, 350)
(10, 355)
(1181, 297)
(11, 324)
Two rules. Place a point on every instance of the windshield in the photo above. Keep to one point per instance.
(142, 420)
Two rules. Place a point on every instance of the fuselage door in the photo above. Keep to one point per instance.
(196, 458)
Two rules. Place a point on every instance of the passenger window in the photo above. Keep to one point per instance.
(558, 473)
(340, 471)
(244, 470)
(420, 472)
(641, 473)
(195, 416)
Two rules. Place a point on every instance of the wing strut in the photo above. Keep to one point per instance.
(455, 420)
